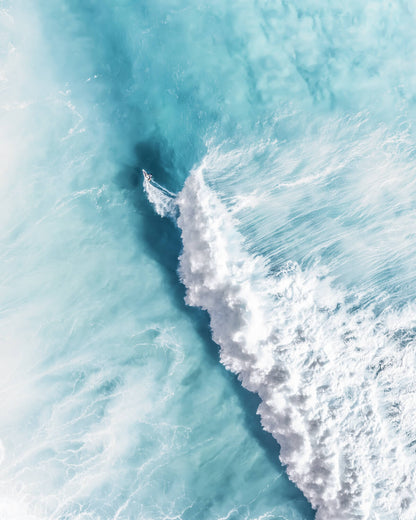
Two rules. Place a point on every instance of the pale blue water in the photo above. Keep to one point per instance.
(287, 130)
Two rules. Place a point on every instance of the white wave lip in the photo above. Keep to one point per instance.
(336, 384)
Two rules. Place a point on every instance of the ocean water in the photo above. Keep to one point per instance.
(234, 339)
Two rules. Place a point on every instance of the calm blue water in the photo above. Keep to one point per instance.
(284, 134)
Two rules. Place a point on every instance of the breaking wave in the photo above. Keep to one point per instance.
(336, 378)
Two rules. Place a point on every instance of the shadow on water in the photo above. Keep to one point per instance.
(162, 239)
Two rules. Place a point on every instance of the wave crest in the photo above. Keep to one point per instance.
(329, 372)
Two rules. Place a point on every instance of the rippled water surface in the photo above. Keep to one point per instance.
(281, 143)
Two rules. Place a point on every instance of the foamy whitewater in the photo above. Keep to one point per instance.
(235, 339)
(330, 376)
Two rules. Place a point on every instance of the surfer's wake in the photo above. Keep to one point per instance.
(163, 200)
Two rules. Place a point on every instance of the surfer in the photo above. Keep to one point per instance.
(147, 176)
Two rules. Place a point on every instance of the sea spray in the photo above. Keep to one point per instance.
(328, 370)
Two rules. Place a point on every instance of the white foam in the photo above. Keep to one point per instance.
(161, 199)
(15, 509)
(336, 382)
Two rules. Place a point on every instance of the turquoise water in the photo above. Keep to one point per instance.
(284, 135)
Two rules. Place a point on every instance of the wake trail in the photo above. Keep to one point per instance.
(162, 200)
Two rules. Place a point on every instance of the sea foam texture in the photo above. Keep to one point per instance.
(336, 382)
(162, 199)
